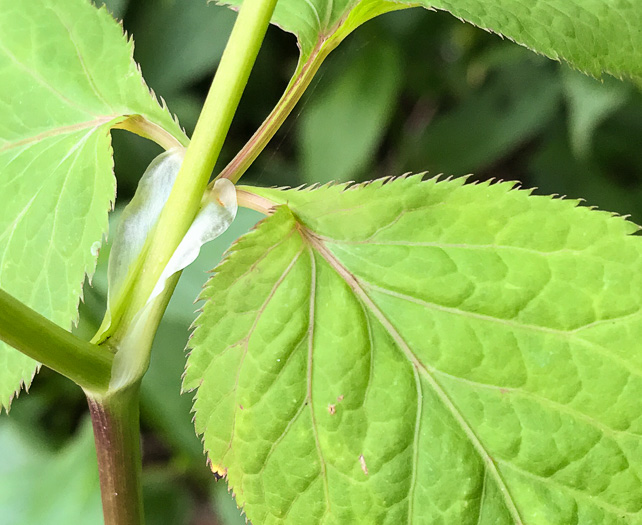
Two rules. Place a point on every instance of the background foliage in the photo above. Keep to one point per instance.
(410, 91)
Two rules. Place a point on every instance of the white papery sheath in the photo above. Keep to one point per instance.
(137, 221)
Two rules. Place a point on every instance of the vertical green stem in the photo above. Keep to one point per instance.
(117, 434)
(203, 151)
(115, 415)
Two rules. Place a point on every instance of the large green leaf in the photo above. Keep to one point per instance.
(67, 76)
(426, 352)
(595, 36)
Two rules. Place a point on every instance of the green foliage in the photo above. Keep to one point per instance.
(428, 351)
(561, 29)
(425, 351)
(596, 36)
(62, 88)
(509, 110)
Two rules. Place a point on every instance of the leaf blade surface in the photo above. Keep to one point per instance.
(426, 351)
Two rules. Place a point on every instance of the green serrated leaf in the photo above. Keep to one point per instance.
(595, 36)
(428, 352)
(67, 77)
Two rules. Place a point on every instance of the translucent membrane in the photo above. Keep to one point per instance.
(137, 221)
(139, 218)
(214, 217)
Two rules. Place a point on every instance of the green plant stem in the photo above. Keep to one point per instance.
(116, 424)
(32, 334)
(115, 415)
(300, 81)
(303, 75)
(203, 151)
(143, 127)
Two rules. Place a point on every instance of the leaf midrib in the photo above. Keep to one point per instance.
(60, 130)
(490, 466)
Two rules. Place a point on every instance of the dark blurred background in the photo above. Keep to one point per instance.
(412, 91)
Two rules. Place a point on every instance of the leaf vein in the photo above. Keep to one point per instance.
(62, 130)
(245, 342)
(354, 284)
(542, 401)
(315, 430)
(33, 74)
(482, 497)
(415, 445)
(90, 79)
(613, 509)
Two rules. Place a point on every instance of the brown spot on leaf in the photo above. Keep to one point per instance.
(332, 409)
(241, 407)
(340, 398)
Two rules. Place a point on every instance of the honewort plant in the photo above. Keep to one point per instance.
(412, 349)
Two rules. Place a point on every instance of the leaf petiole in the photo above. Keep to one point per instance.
(306, 69)
(86, 364)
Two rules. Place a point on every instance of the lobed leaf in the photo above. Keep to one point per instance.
(428, 352)
(68, 76)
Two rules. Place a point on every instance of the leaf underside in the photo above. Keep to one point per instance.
(67, 76)
(426, 352)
